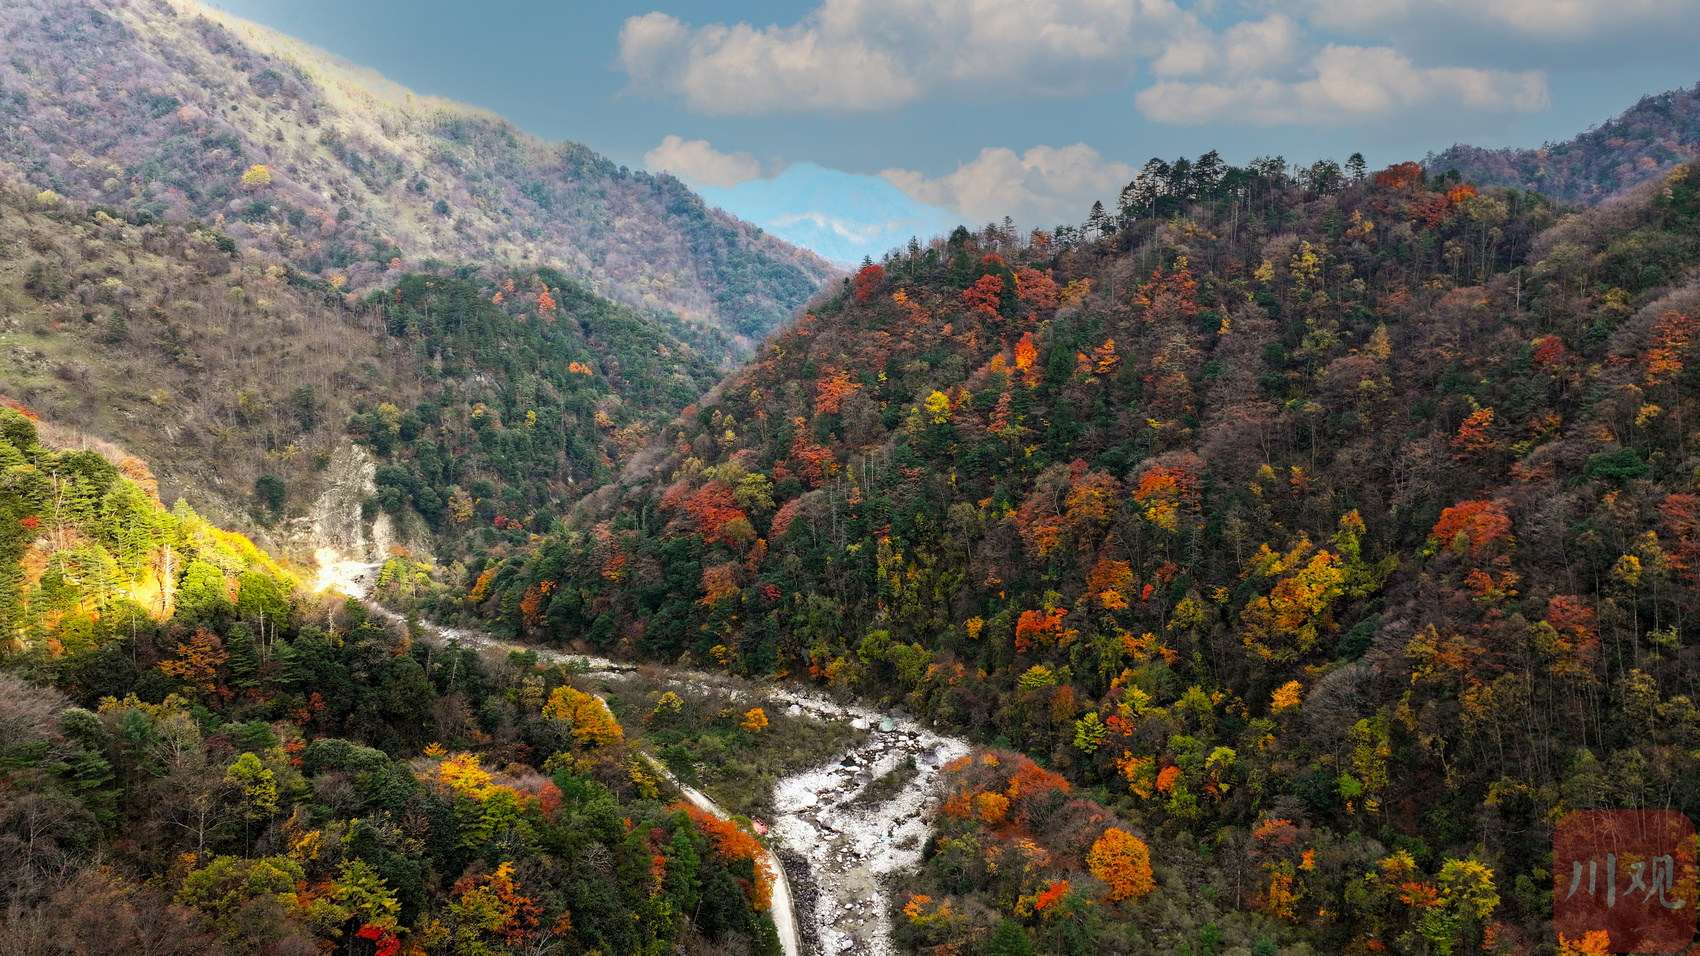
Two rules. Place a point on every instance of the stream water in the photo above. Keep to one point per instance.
(849, 849)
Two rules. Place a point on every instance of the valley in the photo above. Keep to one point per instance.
(422, 538)
(849, 852)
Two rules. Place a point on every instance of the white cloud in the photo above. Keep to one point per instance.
(1546, 19)
(1043, 186)
(873, 54)
(1248, 48)
(699, 162)
(1346, 84)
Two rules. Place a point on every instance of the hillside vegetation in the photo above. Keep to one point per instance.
(1643, 143)
(198, 758)
(183, 112)
(1334, 535)
(479, 393)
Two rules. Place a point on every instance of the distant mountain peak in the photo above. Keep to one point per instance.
(1659, 132)
(309, 162)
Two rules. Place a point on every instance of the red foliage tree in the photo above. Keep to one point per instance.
(867, 281)
(711, 507)
(1400, 176)
(984, 294)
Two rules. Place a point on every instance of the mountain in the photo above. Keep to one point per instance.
(1647, 140)
(332, 313)
(445, 412)
(843, 216)
(185, 113)
(1339, 535)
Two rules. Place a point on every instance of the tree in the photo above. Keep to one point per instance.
(1123, 861)
(867, 281)
(590, 719)
(732, 844)
(200, 661)
(203, 596)
(1009, 939)
(258, 786)
(271, 491)
(490, 915)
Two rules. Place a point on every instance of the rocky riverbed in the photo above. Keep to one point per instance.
(853, 848)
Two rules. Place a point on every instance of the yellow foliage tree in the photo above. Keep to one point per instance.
(1287, 622)
(257, 177)
(1286, 697)
(755, 721)
(592, 723)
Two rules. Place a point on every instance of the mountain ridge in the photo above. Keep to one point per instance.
(1659, 132)
(185, 112)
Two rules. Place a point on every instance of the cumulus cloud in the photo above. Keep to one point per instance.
(1041, 187)
(701, 163)
(873, 54)
(1346, 84)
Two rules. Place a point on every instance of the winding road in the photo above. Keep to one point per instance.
(852, 848)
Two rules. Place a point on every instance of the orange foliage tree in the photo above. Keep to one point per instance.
(1473, 439)
(491, 905)
(1164, 492)
(732, 844)
(1671, 336)
(1169, 297)
(1681, 517)
(1473, 528)
(831, 390)
(1123, 861)
(1111, 581)
(198, 661)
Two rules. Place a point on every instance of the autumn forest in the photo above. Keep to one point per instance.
(1285, 547)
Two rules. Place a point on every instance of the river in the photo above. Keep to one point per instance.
(851, 849)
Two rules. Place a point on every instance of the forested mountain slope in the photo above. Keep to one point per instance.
(184, 112)
(1338, 539)
(1649, 138)
(196, 757)
(477, 394)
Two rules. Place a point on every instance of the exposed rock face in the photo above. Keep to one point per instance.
(337, 520)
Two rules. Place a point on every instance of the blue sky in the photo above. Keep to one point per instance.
(1027, 108)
